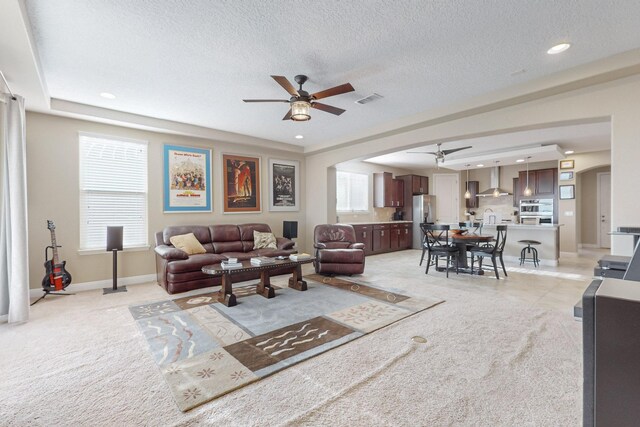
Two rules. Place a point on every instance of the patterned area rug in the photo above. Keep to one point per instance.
(205, 349)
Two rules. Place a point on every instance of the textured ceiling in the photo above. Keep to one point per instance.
(194, 61)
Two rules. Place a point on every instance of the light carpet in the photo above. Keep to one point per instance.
(205, 349)
(499, 353)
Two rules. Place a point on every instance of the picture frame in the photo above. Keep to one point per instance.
(567, 192)
(284, 185)
(241, 192)
(187, 179)
(566, 164)
(566, 176)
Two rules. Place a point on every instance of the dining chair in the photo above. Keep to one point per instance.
(436, 239)
(494, 251)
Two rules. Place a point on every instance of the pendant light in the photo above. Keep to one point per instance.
(467, 194)
(496, 192)
(527, 190)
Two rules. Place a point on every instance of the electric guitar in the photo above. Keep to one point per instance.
(56, 277)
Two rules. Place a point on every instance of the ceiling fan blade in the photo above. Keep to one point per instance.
(287, 116)
(265, 100)
(423, 152)
(282, 81)
(453, 150)
(328, 108)
(333, 91)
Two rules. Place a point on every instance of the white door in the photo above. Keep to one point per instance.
(604, 209)
(447, 192)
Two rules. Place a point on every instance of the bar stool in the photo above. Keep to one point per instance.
(529, 250)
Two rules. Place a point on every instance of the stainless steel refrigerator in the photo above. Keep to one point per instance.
(424, 210)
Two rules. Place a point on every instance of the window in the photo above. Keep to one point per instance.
(352, 191)
(113, 190)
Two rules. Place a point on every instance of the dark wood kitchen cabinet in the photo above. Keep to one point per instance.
(415, 184)
(381, 238)
(542, 182)
(516, 193)
(364, 235)
(474, 188)
(387, 191)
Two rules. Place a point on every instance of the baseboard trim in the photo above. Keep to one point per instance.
(99, 284)
(569, 254)
(588, 246)
(547, 262)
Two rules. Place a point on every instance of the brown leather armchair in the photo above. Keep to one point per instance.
(336, 250)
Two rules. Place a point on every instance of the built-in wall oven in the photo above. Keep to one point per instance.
(536, 210)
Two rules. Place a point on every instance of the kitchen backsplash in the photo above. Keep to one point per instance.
(378, 214)
(502, 205)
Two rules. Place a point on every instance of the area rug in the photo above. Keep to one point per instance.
(205, 349)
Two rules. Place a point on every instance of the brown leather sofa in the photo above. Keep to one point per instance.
(179, 272)
(337, 251)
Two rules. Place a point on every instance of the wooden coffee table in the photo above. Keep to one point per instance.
(264, 288)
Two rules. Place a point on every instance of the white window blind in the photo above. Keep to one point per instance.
(113, 190)
(352, 191)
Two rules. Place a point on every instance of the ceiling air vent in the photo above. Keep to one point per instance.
(370, 98)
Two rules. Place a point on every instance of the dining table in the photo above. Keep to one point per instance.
(461, 240)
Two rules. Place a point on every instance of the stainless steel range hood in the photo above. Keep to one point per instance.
(495, 182)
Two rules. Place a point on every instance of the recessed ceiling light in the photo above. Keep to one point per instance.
(108, 95)
(480, 165)
(569, 152)
(559, 48)
(519, 160)
(299, 136)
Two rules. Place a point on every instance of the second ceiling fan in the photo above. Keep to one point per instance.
(440, 154)
(301, 101)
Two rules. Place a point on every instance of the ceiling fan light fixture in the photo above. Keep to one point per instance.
(300, 111)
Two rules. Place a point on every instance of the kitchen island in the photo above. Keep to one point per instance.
(547, 234)
(383, 236)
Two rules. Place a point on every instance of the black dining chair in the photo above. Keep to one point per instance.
(436, 241)
(494, 251)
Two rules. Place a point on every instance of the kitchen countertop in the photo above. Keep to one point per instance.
(380, 222)
(526, 226)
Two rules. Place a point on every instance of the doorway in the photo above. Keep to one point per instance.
(447, 191)
(604, 209)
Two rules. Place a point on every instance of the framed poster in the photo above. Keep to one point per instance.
(241, 183)
(567, 192)
(566, 164)
(187, 179)
(284, 182)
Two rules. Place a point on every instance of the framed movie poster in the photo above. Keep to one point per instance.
(284, 183)
(241, 183)
(187, 179)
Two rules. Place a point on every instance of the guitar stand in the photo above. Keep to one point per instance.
(49, 293)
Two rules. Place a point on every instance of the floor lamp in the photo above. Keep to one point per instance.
(114, 244)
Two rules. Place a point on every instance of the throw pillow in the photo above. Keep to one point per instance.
(264, 240)
(187, 243)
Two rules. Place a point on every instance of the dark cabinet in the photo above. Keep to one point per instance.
(364, 235)
(516, 193)
(387, 191)
(405, 236)
(381, 238)
(546, 182)
(542, 182)
(474, 188)
(413, 184)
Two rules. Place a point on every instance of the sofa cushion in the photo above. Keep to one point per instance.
(246, 230)
(225, 238)
(273, 252)
(187, 243)
(194, 263)
(264, 240)
(200, 231)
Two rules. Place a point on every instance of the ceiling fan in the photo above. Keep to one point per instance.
(301, 101)
(440, 154)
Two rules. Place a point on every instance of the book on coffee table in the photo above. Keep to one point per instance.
(299, 257)
(262, 260)
(226, 265)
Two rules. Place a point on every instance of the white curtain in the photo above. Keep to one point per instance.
(14, 261)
